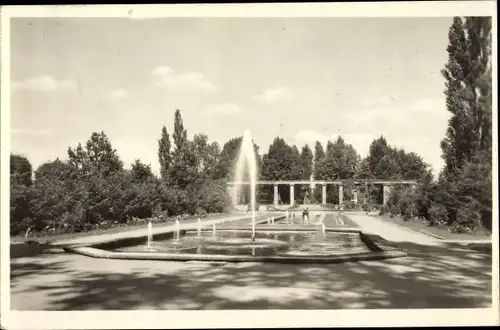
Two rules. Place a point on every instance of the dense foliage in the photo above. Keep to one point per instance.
(93, 190)
(462, 196)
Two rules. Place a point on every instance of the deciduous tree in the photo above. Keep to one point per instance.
(99, 156)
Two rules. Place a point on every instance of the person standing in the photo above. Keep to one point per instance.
(304, 214)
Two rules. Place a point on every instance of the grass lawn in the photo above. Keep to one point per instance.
(441, 231)
(111, 230)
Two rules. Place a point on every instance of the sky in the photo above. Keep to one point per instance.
(303, 79)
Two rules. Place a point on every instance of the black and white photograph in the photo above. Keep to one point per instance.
(266, 159)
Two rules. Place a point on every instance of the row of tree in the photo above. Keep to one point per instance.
(462, 196)
(92, 188)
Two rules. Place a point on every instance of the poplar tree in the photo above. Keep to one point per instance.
(468, 91)
(183, 170)
(306, 157)
(465, 184)
(180, 134)
(164, 154)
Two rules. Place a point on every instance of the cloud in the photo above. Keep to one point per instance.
(166, 77)
(226, 109)
(46, 83)
(360, 141)
(116, 94)
(416, 126)
(144, 148)
(27, 131)
(274, 94)
(402, 117)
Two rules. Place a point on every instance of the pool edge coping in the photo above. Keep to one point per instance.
(377, 252)
(103, 254)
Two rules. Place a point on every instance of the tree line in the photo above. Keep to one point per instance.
(92, 189)
(461, 197)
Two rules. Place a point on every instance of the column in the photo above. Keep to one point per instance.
(355, 195)
(292, 194)
(323, 194)
(365, 193)
(341, 194)
(275, 195)
(386, 191)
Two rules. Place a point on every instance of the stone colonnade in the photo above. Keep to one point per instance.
(387, 187)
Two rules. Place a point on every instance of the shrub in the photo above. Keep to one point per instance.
(159, 215)
(393, 210)
(468, 217)
(383, 209)
(437, 214)
(157, 211)
(212, 197)
(350, 206)
(172, 199)
(407, 205)
(425, 195)
(20, 208)
(201, 212)
(367, 206)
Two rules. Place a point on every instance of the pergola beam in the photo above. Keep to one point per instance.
(293, 182)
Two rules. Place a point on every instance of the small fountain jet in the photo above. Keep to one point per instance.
(321, 233)
(150, 235)
(177, 230)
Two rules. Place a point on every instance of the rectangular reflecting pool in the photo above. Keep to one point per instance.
(267, 243)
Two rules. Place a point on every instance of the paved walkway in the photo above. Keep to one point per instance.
(390, 232)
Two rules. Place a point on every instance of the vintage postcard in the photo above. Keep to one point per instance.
(249, 165)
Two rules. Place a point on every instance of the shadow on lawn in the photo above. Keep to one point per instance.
(430, 277)
(31, 249)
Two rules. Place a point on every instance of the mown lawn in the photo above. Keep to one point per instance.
(441, 231)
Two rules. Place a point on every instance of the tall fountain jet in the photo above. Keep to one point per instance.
(247, 156)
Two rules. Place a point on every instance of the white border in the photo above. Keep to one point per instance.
(495, 247)
(229, 319)
(342, 9)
